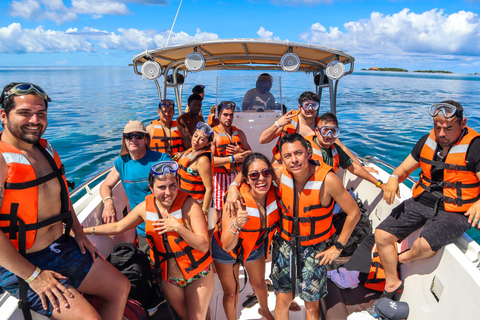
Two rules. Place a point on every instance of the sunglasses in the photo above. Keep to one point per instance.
(256, 175)
(26, 88)
(310, 105)
(138, 135)
(205, 128)
(167, 103)
(164, 167)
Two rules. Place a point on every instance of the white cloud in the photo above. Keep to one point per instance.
(98, 7)
(15, 39)
(404, 32)
(265, 34)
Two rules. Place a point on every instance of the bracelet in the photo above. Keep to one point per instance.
(394, 176)
(93, 231)
(34, 275)
(276, 123)
(234, 184)
(233, 226)
(233, 159)
(379, 183)
(103, 201)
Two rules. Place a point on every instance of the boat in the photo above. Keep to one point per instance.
(446, 286)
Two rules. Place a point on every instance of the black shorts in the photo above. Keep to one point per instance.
(438, 229)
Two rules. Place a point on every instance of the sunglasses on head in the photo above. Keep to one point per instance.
(256, 175)
(167, 103)
(137, 135)
(310, 105)
(26, 88)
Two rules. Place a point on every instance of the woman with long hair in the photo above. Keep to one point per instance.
(177, 234)
(246, 237)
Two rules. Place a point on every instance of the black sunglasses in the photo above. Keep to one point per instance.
(256, 175)
(138, 135)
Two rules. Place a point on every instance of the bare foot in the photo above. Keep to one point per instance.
(294, 306)
(266, 315)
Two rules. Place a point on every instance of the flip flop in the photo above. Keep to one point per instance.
(390, 295)
(250, 302)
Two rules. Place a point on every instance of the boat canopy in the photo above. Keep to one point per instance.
(173, 62)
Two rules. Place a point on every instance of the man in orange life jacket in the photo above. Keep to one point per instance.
(41, 264)
(308, 190)
(230, 148)
(445, 199)
(164, 133)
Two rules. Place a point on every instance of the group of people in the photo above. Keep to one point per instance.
(175, 171)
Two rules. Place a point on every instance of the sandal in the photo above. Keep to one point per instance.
(390, 295)
(250, 302)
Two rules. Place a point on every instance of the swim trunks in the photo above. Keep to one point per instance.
(439, 229)
(62, 257)
(182, 283)
(223, 257)
(311, 279)
(221, 182)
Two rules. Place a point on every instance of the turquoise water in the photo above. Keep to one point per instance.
(380, 113)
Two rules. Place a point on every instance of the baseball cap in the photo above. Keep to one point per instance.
(387, 309)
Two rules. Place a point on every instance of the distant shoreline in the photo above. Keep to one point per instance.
(418, 71)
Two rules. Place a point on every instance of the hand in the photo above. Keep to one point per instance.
(109, 214)
(171, 224)
(242, 215)
(230, 205)
(391, 188)
(239, 157)
(382, 186)
(46, 286)
(473, 214)
(233, 149)
(84, 244)
(177, 156)
(370, 169)
(328, 255)
(286, 119)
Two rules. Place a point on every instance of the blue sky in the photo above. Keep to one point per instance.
(415, 35)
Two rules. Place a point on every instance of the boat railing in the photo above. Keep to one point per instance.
(87, 186)
(374, 159)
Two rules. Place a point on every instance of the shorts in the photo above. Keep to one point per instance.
(182, 283)
(223, 257)
(62, 257)
(311, 279)
(438, 229)
(221, 182)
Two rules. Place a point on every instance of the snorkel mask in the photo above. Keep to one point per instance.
(205, 128)
(164, 168)
(447, 110)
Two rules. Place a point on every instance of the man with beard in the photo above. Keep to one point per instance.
(187, 122)
(40, 263)
(308, 190)
(445, 200)
(260, 97)
(230, 148)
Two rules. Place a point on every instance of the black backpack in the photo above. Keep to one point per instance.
(134, 264)
(361, 231)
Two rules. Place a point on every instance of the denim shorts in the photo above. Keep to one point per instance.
(223, 257)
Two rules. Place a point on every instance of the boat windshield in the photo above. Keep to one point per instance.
(253, 93)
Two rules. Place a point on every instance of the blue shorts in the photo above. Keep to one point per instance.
(62, 257)
(223, 257)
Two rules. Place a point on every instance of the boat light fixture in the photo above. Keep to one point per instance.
(335, 70)
(290, 62)
(151, 70)
(195, 61)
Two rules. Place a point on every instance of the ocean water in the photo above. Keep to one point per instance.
(380, 113)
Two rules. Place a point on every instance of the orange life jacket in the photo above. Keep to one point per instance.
(461, 187)
(317, 155)
(171, 245)
(221, 150)
(19, 210)
(291, 128)
(161, 143)
(210, 119)
(253, 234)
(312, 223)
(192, 183)
(376, 276)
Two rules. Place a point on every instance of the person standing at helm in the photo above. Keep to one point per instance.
(445, 200)
(132, 168)
(260, 97)
(230, 147)
(164, 133)
(40, 262)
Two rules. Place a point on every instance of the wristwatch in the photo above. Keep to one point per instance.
(339, 245)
